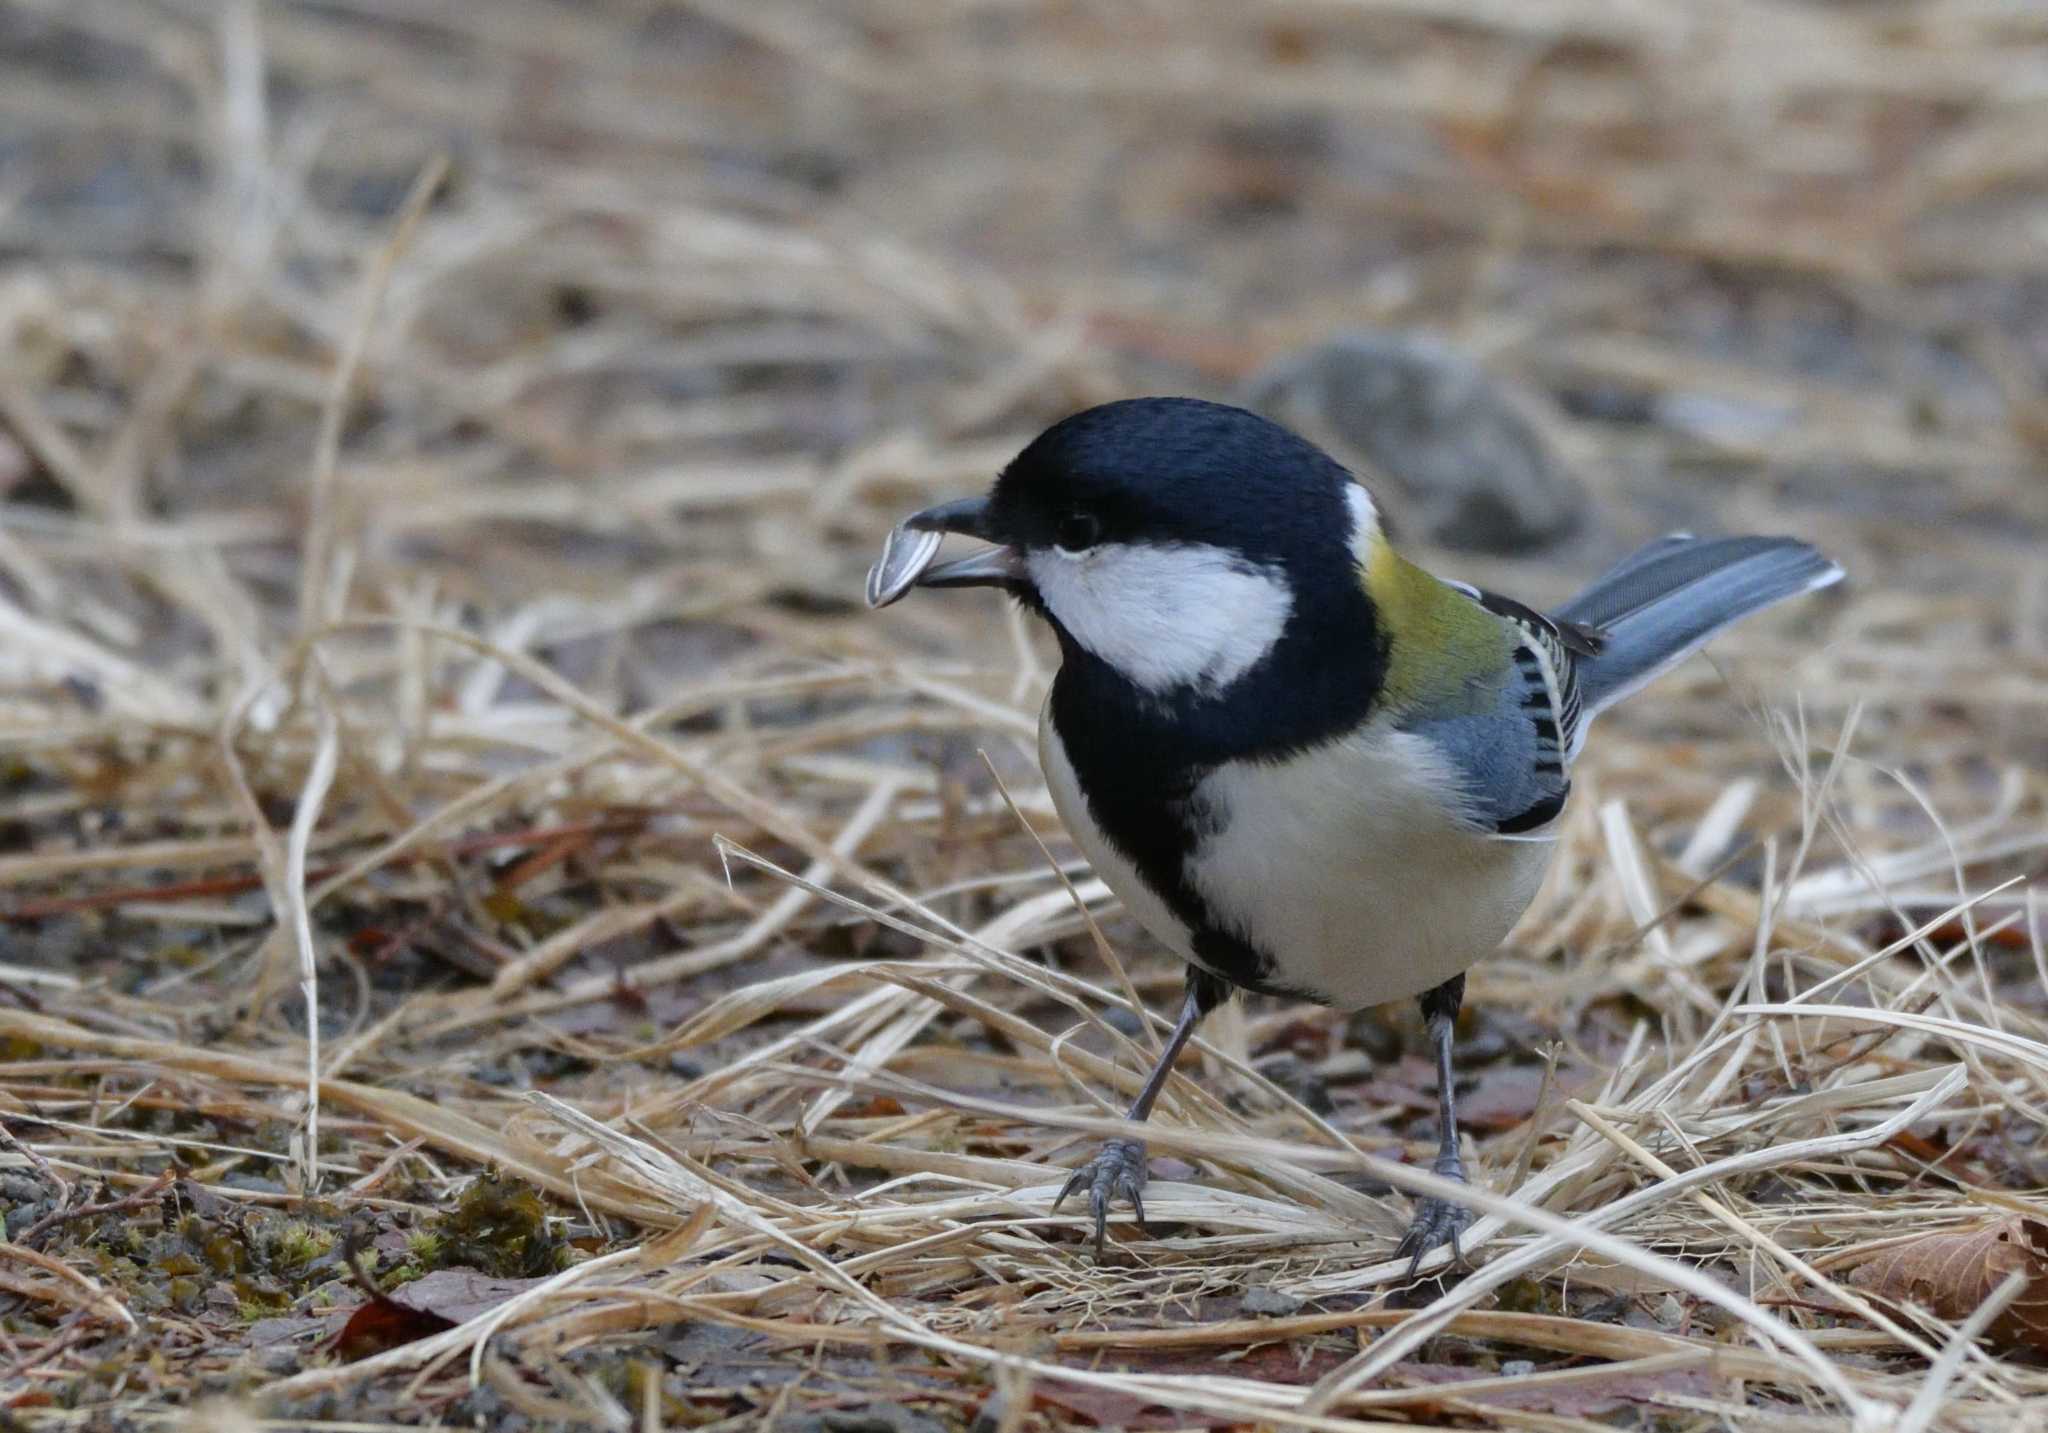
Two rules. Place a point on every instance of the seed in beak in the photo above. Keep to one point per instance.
(906, 553)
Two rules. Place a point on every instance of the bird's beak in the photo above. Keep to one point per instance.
(906, 557)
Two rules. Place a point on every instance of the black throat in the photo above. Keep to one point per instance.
(1139, 758)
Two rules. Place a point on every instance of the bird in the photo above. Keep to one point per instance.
(1305, 765)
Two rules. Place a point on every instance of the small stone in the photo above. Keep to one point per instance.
(1517, 1368)
(1463, 454)
(1267, 1302)
(1300, 1080)
(23, 1217)
(19, 1189)
(1371, 1033)
(1491, 1034)
(1124, 1020)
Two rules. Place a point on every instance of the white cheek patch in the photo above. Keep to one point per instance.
(1365, 519)
(1166, 615)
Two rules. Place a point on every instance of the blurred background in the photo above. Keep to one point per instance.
(751, 276)
(418, 386)
(618, 333)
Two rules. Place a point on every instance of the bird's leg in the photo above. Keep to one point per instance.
(1118, 1168)
(1439, 1221)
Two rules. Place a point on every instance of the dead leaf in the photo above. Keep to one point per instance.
(1949, 1275)
(1108, 1408)
(384, 1324)
(1505, 1096)
(421, 1309)
(1501, 1097)
(878, 1107)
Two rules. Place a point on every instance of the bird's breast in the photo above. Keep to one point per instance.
(1349, 868)
(1344, 867)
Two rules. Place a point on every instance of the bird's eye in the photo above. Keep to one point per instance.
(1077, 532)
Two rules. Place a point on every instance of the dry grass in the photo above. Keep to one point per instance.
(443, 443)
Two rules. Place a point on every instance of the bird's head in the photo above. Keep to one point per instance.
(1176, 541)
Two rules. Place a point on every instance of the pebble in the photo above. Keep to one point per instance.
(1124, 1021)
(1465, 460)
(1267, 1302)
(1299, 1080)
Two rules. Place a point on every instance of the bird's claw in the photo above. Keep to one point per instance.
(1437, 1222)
(1117, 1170)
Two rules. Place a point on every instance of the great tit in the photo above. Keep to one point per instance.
(1308, 767)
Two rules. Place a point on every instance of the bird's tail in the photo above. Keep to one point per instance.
(1664, 601)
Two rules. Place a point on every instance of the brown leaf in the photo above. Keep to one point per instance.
(459, 1295)
(1104, 1407)
(1505, 1096)
(425, 1307)
(383, 1324)
(1949, 1275)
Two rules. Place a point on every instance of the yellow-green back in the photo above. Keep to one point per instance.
(1444, 651)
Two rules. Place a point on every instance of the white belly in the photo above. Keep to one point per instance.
(1341, 864)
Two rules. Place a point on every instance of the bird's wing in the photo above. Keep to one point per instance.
(1549, 653)
(1512, 751)
(1666, 600)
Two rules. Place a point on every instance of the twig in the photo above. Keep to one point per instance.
(32, 1236)
(94, 1291)
(76, 1334)
(36, 1161)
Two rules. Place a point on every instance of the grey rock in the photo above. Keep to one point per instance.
(1300, 1080)
(19, 1189)
(1123, 1021)
(1266, 1302)
(23, 1217)
(1454, 451)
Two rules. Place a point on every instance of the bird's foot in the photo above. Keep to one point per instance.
(1117, 1170)
(1437, 1221)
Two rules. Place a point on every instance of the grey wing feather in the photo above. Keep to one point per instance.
(1664, 602)
(1591, 603)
